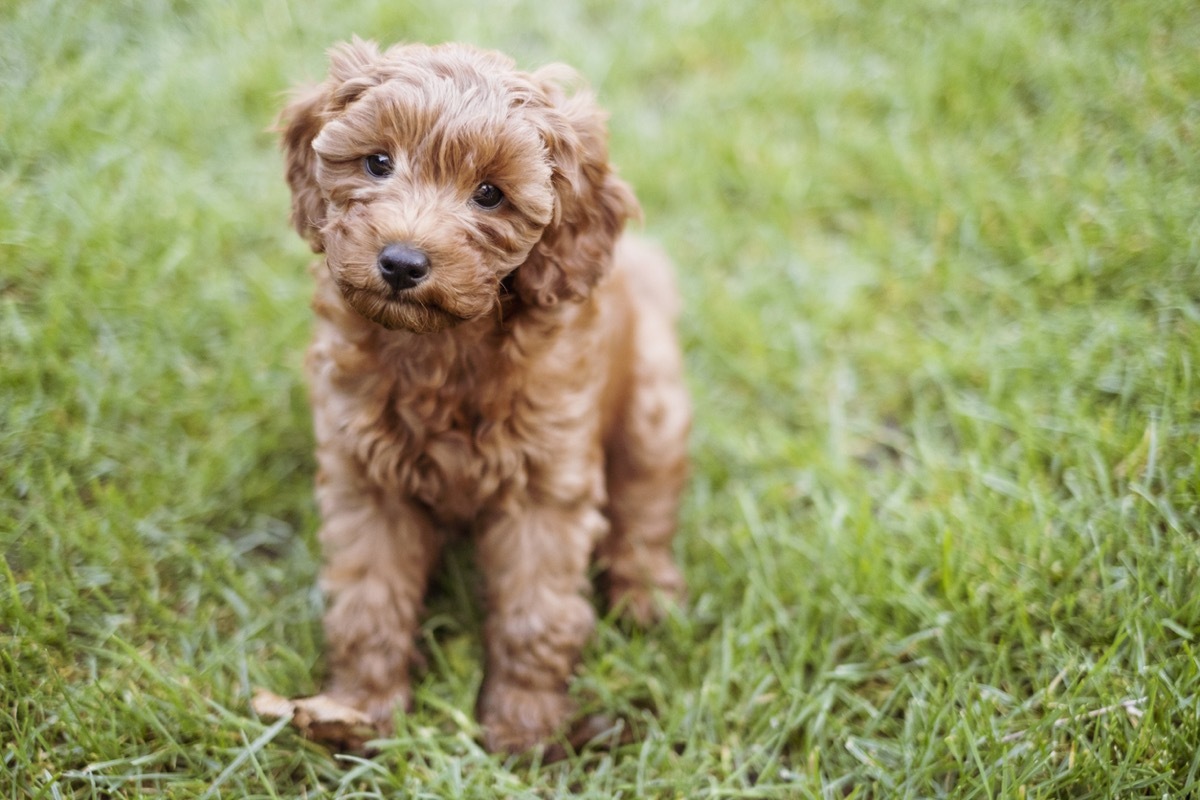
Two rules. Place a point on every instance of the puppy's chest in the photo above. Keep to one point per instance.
(452, 446)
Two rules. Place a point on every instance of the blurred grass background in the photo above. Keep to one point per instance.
(942, 271)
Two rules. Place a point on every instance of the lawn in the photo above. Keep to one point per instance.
(942, 274)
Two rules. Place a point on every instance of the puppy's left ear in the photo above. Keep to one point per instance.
(591, 203)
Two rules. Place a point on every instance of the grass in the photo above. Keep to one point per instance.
(942, 270)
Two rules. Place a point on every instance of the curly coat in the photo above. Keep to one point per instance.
(527, 391)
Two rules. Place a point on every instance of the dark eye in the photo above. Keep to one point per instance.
(378, 165)
(487, 196)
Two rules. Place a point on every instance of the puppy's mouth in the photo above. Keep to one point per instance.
(402, 309)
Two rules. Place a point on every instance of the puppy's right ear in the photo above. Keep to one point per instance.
(300, 123)
(354, 67)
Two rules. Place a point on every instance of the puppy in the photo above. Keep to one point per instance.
(491, 359)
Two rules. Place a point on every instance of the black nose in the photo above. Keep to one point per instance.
(403, 267)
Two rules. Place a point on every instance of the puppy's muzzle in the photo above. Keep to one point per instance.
(402, 266)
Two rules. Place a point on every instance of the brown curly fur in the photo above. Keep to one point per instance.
(529, 393)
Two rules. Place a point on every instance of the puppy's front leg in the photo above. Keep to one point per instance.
(535, 563)
(378, 550)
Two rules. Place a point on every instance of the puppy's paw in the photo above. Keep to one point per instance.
(378, 707)
(516, 718)
(647, 602)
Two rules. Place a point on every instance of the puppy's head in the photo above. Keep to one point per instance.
(430, 175)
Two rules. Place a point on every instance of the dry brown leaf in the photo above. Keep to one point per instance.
(318, 718)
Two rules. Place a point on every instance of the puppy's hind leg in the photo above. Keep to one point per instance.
(646, 467)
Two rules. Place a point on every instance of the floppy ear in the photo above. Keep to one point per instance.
(300, 123)
(591, 202)
(353, 68)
